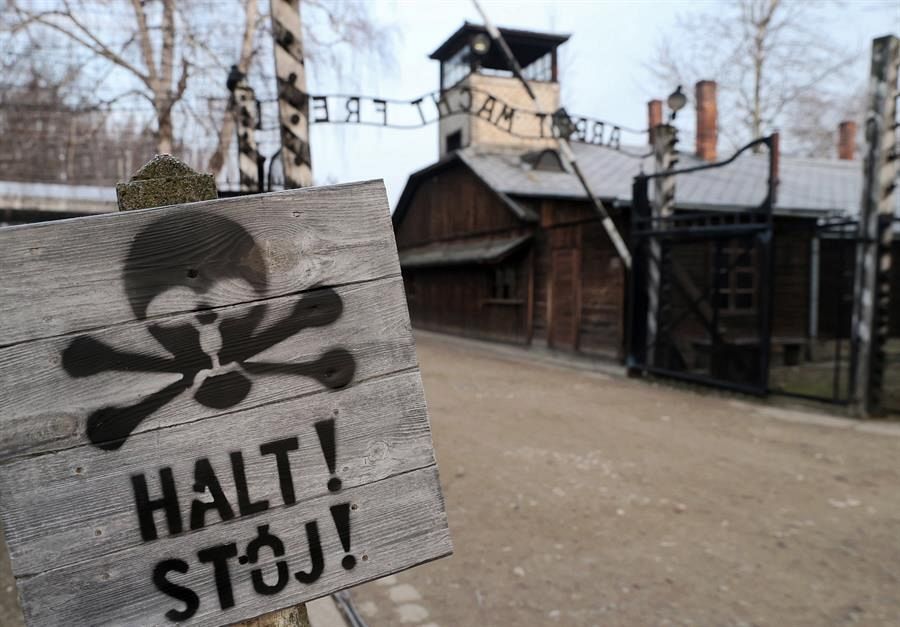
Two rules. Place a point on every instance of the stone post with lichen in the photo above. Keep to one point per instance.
(163, 181)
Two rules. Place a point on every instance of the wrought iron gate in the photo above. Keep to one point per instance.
(701, 289)
(825, 372)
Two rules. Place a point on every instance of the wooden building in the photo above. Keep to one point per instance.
(498, 241)
(520, 269)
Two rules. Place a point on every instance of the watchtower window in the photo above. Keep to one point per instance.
(454, 141)
(493, 71)
(535, 51)
(541, 69)
(456, 68)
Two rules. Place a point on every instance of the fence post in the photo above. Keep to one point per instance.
(871, 290)
(293, 101)
(664, 140)
(165, 180)
(162, 181)
(243, 105)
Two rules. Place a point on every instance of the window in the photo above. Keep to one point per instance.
(455, 68)
(504, 286)
(454, 141)
(737, 277)
(541, 69)
(492, 71)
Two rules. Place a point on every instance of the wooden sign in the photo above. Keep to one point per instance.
(210, 411)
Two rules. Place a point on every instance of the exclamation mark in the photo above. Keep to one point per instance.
(341, 515)
(325, 431)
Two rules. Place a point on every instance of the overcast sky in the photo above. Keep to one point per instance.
(603, 71)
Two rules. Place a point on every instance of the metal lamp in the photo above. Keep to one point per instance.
(676, 101)
(481, 44)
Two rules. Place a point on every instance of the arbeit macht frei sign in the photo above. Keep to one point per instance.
(461, 100)
(210, 411)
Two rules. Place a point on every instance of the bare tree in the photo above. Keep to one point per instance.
(45, 136)
(330, 30)
(774, 67)
(225, 130)
(174, 56)
(153, 64)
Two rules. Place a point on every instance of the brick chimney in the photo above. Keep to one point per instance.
(707, 120)
(654, 117)
(847, 140)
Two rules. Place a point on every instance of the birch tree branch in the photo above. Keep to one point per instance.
(143, 33)
(87, 40)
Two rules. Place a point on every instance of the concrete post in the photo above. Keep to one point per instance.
(663, 205)
(245, 117)
(162, 181)
(871, 290)
(293, 101)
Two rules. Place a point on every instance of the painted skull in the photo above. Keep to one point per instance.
(168, 269)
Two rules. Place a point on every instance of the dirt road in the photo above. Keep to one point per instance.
(577, 498)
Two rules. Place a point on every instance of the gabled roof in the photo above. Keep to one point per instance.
(806, 186)
(452, 159)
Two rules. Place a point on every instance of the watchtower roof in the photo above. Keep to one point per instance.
(527, 46)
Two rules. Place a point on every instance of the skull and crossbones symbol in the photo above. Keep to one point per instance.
(209, 351)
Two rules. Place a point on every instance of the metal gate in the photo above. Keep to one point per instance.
(825, 372)
(701, 290)
(828, 369)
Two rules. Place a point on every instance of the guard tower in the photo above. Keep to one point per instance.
(473, 68)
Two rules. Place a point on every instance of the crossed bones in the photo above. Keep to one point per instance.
(220, 375)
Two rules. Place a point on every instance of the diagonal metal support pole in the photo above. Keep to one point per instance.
(564, 149)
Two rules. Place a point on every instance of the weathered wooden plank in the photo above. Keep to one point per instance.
(396, 523)
(66, 276)
(44, 408)
(181, 385)
(84, 500)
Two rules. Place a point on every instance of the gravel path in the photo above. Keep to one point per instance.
(583, 498)
(579, 498)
